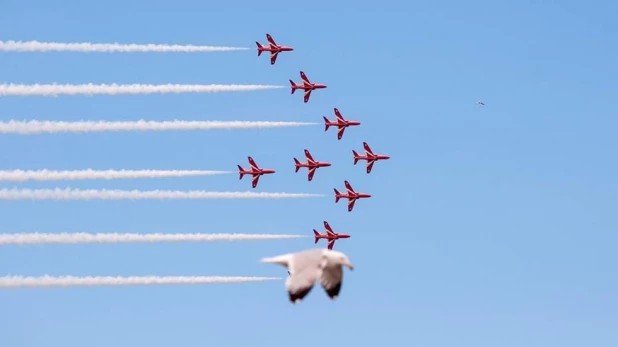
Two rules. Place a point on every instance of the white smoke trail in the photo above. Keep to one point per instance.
(115, 89)
(90, 174)
(75, 238)
(109, 194)
(38, 127)
(36, 46)
(90, 281)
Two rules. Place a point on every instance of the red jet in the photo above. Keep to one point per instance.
(352, 196)
(307, 86)
(311, 164)
(340, 123)
(273, 48)
(330, 235)
(255, 171)
(369, 156)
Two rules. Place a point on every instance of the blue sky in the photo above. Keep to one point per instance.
(489, 226)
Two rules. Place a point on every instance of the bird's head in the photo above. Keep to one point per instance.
(336, 257)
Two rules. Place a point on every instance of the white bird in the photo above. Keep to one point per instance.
(480, 103)
(307, 267)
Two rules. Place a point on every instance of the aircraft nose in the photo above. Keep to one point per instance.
(387, 157)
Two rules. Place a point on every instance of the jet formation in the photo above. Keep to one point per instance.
(340, 123)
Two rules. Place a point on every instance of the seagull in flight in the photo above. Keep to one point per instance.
(480, 103)
(308, 267)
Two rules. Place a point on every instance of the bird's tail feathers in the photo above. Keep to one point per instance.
(281, 260)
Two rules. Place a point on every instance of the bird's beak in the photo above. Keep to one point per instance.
(350, 266)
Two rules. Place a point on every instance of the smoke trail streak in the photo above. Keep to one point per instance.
(81, 238)
(90, 281)
(116, 89)
(109, 194)
(90, 174)
(36, 46)
(39, 127)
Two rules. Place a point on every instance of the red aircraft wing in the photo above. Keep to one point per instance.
(367, 148)
(309, 157)
(327, 227)
(311, 173)
(255, 180)
(307, 94)
(348, 186)
(330, 233)
(339, 116)
(370, 165)
(273, 57)
(331, 243)
(271, 41)
(340, 132)
(253, 164)
(305, 79)
(351, 205)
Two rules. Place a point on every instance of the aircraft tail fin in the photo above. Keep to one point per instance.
(317, 236)
(326, 125)
(259, 48)
(337, 195)
(355, 157)
(296, 164)
(293, 86)
(240, 172)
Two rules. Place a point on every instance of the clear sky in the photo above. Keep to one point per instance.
(489, 226)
